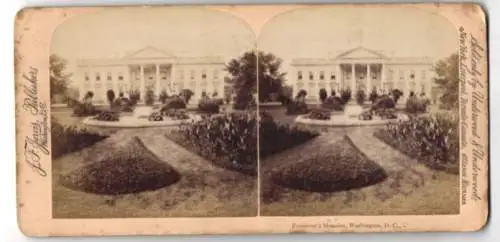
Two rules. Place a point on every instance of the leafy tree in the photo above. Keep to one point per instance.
(270, 78)
(150, 97)
(396, 94)
(110, 94)
(243, 76)
(58, 77)
(323, 95)
(448, 81)
(186, 94)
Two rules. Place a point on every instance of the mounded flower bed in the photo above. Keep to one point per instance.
(432, 140)
(228, 140)
(344, 168)
(130, 170)
(275, 137)
(66, 139)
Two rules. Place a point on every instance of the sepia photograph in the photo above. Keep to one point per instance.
(361, 110)
(245, 119)
(152, 115)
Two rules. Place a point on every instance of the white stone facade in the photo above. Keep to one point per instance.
(405, 74)
(151, 68)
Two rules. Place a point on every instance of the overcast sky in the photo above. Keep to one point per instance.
(182, 31)
(308, 32)
(325, 32)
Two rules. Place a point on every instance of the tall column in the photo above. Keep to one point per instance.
(382, 76)
(143, 84)
(368, 79)
(157, 87)
(353, 79)
(129, 80)
(172, 75)
(338, 78)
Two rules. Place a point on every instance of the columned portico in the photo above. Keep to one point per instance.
(151, 69)
(364, 69)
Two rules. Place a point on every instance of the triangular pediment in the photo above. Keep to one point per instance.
(149, 52)
(361, 53)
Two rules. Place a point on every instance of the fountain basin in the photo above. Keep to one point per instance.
(347, 120)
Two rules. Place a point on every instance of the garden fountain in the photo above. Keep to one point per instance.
(140, 118)
(351, 116)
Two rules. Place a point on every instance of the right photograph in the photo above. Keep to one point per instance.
(358, 112)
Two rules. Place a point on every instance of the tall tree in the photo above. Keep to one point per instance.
(270, 78)
(448, 81)
(243, 75)
(58, 77)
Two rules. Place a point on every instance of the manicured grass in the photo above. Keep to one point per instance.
(204, 190)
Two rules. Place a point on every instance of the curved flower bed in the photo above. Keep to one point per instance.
(433, 140)
(344, 168)
(131, 170)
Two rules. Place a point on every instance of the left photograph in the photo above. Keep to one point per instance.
(153, 114)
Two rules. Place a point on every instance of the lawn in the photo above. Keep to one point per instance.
(409, 188)
(203, 190)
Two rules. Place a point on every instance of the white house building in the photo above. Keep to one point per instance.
(150, 68)
(362, 68)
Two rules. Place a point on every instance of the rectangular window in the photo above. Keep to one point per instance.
(203, 74)
(390, 73)
(87, 76)
(299, 75)
(97, 76)
(332, 76)
(412, 74)
(120, 76)
(311, 75)
(401, 74)
(192, 75)
(109, 76)
(216, 74)
(322, 75)
(181, 74)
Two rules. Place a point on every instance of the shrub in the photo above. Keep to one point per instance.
(275, 137)
(360, 97)
(296, 107)
(134, 96)
(173, 103)
(131, 170)
(373, 96)
(343, 168)
(367, 115)
(323, 95)
(150, 97)
(66, 139)
(320, 114)
(163, 97)
(110, 116)
(186, 94)
(345, 96)
(384, 102)
(209, 106)
(333, 103)
(155, 116)
(110, 94)
(396, 93)
(84, 109)
(433, 140)
(416, 105)
(176, 114)
(228, 140)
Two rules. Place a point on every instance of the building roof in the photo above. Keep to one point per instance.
(150, 53)
(359, 54)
